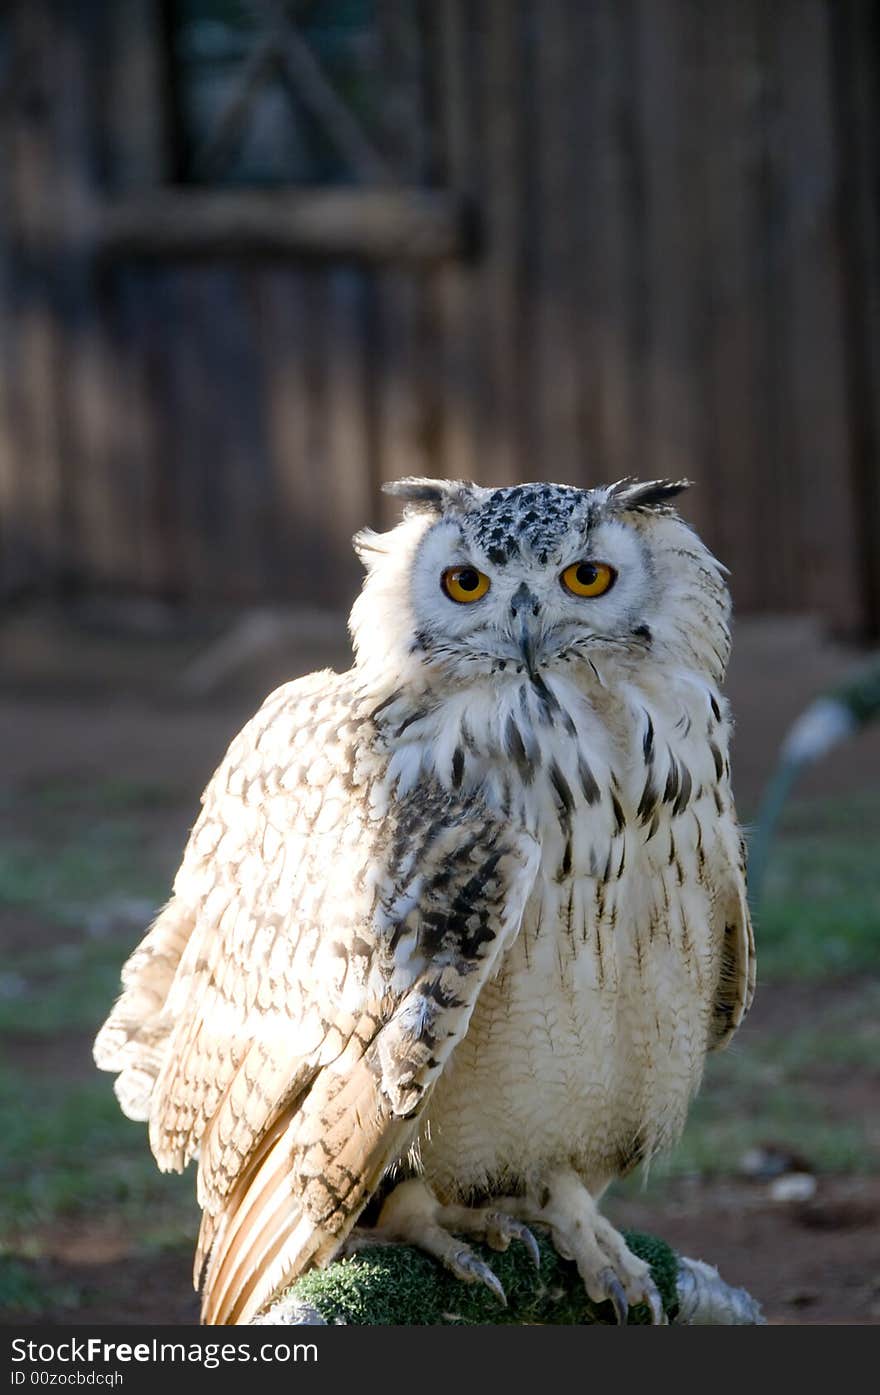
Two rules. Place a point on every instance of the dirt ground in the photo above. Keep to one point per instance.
(79, 705)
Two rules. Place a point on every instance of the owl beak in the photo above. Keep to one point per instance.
(525, 609)
(528, 643)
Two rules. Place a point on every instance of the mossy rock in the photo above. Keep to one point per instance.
(396, 1285)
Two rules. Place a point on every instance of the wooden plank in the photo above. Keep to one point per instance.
(283, 329)
(855, 39)
(11, 562)
(454, 57)
(132, 87)
(338, 430)
(213, 488)
(732, 136)
(315, 399)
(244, 561)
(135, 441)
(401, 443)
(14, 568)
(771, 381)
(594, 130)
(414, 308)
(95, 518)
(405, 338)
(555, 233)
(132, 150)
(31, 381)
(346, 483)
(618, 290)
(504, 456)
(668, 131)
(404, 135)
(401, 225)
(172, 386)
(818, 491)
(64, 380)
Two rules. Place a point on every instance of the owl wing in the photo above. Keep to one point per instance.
(726, 872)
(291, 1008)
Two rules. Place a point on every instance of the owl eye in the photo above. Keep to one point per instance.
(588, 578)
(464, 584)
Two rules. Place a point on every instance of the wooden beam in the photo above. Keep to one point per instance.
(315, 90)
(374, 225)
(209, 158)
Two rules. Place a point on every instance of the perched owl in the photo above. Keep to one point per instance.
(455, 929)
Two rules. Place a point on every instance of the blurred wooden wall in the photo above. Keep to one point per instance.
(676, 271)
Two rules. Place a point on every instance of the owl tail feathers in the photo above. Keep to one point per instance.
(293, 1206)
(259, 1241)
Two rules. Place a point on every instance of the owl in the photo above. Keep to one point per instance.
(455, 929)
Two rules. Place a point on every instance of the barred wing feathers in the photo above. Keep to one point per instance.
(725, 857)
(297, 999)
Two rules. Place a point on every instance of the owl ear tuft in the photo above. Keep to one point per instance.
(430, 496)
(631, 493)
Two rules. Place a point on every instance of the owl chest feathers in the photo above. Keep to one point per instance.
(579, 770)
(589, 1041)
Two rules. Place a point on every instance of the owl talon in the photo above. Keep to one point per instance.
(525, 1235)
(496, 1228)
(615, 1294)
(610, 1271)
(466, 1266)
(413, 1215)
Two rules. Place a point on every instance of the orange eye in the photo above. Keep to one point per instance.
(588, 578)
(464, 584)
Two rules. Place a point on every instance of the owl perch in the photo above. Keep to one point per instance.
(396, 1285)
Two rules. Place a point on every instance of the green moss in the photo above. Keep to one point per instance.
(396, 1285)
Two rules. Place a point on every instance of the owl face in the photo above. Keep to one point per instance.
(525, 579)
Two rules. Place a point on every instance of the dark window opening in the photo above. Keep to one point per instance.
(273, 94)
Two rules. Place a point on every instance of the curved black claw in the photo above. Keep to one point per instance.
(466, 1266)
(614, 1292)
(521, 1232)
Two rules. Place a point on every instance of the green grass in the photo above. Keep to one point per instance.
(65, 988)
(73, 859)
(71, 1161)
(78, 873)
(69, 1152)
(820, 912)
(840, 1034)
(25, 1293)
(726, 1120)
(110, 795)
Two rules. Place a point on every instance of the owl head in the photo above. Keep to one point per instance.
(530, 578)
